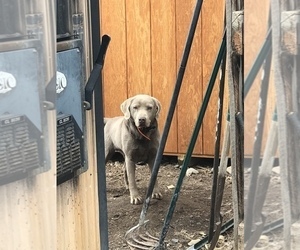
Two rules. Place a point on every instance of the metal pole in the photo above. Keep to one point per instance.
(98, 98)
(193, 140)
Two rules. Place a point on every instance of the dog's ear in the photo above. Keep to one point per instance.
(125, 108)
(158, 107)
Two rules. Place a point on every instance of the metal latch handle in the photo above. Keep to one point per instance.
(95, 74)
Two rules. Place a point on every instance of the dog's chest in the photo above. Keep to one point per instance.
(142, 152)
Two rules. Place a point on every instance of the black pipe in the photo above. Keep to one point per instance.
(94, 76)
(98, 97)
(101, 170)
(263, 53)
(214, 207)
(199, 245)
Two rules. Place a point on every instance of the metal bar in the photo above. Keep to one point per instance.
(295, 122)
(236, 136)
(263, 183)
(215, 238)
(213, 207)
(264, 51)
(98, 98)
(240, 120)
(228, 225)
(171, 111)
(101, 171)
(192, 143)
(93, 79)
(266, 229)
(221, 173)
(255, 162)
(273, 226)
(256, 234)
(283, 131)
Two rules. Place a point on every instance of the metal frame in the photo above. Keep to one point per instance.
(35, 44)
(65, 46)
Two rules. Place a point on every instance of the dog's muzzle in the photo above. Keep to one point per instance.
(142, 123)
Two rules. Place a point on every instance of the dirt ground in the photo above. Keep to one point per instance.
(191, 217)
(272, 209)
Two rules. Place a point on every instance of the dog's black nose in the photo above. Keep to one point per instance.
(142, 121)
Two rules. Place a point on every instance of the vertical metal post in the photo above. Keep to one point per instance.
(98, 98)
(236, 129)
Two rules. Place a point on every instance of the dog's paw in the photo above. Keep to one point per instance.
(136, 200)
(157, 195)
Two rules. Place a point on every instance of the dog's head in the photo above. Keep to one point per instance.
(143, 109)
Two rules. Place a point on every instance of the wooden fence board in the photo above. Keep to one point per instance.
(191, 92)
(255, 34)
(163, 71)
(113, 23)
(212, 32)
(138, 47)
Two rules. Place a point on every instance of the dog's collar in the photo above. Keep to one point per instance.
(144, 130)
(147, 129)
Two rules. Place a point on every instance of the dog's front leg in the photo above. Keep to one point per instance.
(135, 197)
(156, 194)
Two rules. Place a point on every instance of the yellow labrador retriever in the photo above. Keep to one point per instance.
(136, 136)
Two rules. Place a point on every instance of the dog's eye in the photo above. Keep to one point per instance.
(149, 108)
(135, 107)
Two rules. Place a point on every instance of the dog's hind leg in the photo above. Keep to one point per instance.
(124, 169)
(109, 151)
(126, 177)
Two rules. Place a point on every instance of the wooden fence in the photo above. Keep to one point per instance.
(148, 38)
(147, 42)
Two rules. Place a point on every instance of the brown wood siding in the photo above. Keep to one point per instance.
(138, 33)
(212, 32)
(115, 70)
(164, 66)
(147, 42)
(190, 97)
